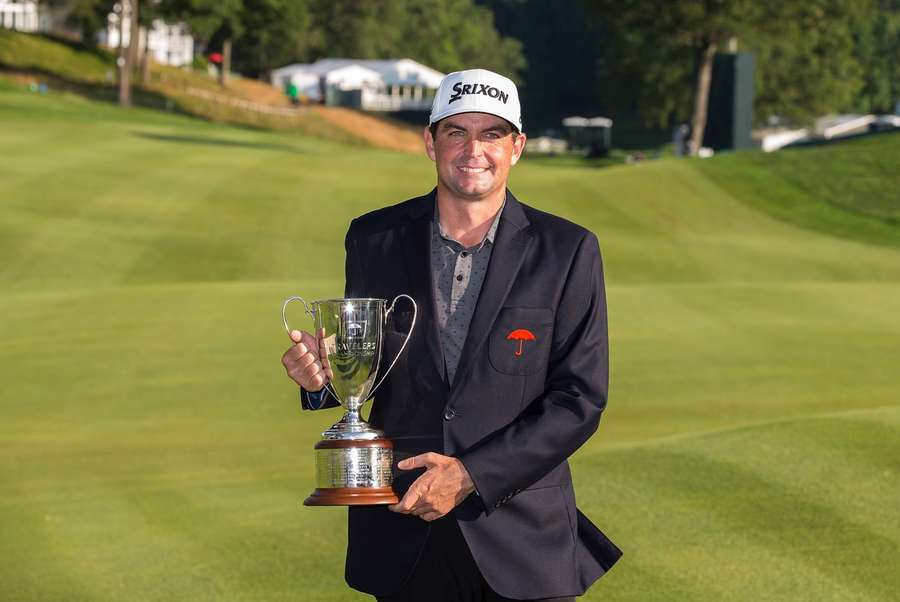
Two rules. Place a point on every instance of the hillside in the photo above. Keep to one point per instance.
(152, 448)
(849, 189)
(90, 72)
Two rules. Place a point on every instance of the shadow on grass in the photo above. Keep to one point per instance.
(79, 46)
(205, 140)
(104, 92)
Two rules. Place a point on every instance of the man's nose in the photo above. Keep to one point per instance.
(475, 147)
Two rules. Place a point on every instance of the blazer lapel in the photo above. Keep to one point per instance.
(510, 243)
(418, 264)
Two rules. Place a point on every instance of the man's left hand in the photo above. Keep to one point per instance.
(444, 485)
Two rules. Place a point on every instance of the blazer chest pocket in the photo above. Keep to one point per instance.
(520, 340)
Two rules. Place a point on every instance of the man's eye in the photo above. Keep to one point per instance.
(456, 133)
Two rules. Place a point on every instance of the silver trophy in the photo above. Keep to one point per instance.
(353, 461)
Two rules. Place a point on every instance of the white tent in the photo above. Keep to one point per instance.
(397, 84)
(22, 16)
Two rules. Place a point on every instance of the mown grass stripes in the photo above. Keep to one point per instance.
(151, 447)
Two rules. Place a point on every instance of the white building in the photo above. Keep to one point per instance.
(169, 44)
(371, 85)
(21, 15)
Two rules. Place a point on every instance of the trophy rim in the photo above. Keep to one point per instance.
(345, 299)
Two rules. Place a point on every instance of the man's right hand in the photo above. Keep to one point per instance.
(306, 361)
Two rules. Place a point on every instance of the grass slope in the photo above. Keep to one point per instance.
(151, 448)
(91, 72)
(849, 188)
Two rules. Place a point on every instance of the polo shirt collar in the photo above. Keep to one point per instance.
(489, 235)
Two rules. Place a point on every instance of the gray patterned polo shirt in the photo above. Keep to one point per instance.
(458, 274)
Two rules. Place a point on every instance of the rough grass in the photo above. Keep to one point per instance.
(31, 52)
(151, 447)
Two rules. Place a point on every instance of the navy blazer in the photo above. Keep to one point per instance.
(515, 412)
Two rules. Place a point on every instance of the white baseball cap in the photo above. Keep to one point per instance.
(477, 91)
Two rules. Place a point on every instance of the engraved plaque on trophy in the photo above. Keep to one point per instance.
(353, 460)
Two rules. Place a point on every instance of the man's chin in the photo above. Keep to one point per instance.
(474, 191)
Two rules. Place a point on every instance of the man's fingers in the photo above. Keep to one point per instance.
(422, 510)
(407, 503)
(296, 336)
(294, 361)
(310, 341)
(302, 363)
(316, 382)
(323, 352)
(312, 369)
(305, 360)
(430, 516)
(426, 460)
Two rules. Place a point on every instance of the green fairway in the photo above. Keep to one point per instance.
(151, 447)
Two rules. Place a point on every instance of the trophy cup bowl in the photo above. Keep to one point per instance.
(353, 460)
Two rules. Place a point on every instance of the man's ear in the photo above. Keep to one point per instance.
(429, 143)
(518, 149)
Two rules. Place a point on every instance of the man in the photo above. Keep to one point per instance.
(505, 375)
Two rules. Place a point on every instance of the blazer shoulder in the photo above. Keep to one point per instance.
(388, 217)
(557, 230)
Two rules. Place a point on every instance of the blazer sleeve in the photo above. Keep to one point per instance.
(568, 412)
(353, 287)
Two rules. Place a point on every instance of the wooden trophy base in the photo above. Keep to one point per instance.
(351, 496)
(353, 472)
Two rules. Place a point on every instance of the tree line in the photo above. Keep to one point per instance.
(649, 58)
(257, 36)
(812, 57)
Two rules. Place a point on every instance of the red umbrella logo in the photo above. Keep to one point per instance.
(521, 335)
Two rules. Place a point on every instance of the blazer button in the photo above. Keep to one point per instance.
(450, 414)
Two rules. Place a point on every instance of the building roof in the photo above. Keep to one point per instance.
(391, 71)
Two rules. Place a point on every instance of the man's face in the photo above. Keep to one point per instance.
(473, 153)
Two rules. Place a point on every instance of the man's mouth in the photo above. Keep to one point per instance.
(466, 169)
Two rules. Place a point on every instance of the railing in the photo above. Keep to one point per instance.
(243, 104)
(848, 126)
(395, 103)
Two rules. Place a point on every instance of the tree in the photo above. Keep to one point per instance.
(128, 18)
(275, 33)
(444, 34)
(877, 49)
(86, 16)
(806, 65)
(150, 11)
(210, 20)
(456, 34)
(660, 54)
(562, 54)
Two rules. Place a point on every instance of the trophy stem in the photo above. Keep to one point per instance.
(352, 426)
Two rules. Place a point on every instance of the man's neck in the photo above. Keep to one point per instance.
(468, 220)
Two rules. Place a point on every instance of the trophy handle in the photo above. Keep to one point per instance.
(312, 314)
(387, 314)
